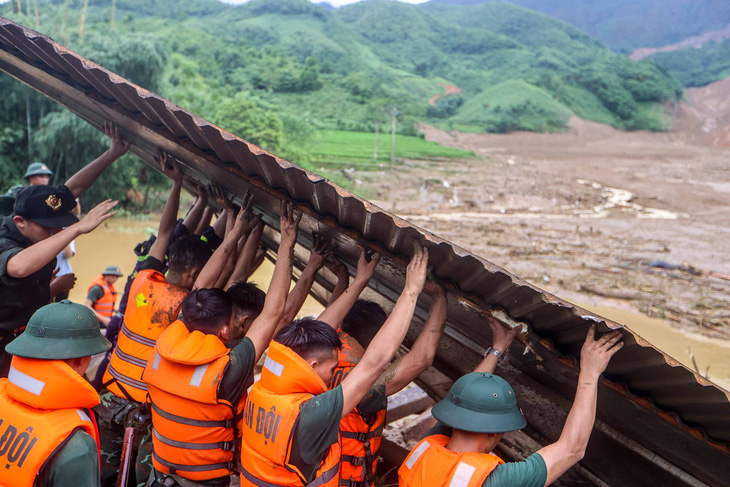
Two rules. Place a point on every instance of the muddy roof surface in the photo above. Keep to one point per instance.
(657, 420)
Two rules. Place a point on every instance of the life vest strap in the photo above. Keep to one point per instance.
(352, 459)
(352, 483)
(321, 480)
(175, 467)
(361, 437)
(137, 338)
(220, 445)
(228, 423)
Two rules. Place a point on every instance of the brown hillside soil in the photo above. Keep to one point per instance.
(583, 213)
(694, 41)
(448, 90)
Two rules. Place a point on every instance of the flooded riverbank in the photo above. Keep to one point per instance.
(113, 244)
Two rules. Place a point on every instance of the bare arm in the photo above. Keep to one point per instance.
(321, 249)
(80, 182)
(571, 446)
(204, 221)
(171, 169)
(211, 272)
(265, 325)
(33, 258)
(241, 271)
(196, 212)
(339, 269)
(67, 252)
(501, 340)
(335, 313)
(388, 339)
(420, 356)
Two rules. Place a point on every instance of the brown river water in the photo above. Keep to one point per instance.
(114, 241)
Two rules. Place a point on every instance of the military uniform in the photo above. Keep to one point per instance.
(45, 405)
(47, 206)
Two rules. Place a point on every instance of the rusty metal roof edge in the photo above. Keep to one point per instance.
(546, 298)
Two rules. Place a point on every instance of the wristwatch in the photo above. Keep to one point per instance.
(496, 353)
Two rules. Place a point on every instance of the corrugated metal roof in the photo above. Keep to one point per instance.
(657, 420)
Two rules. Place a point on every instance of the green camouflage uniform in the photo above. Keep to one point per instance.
(114, 414)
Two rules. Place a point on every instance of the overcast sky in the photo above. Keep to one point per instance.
(336, 3)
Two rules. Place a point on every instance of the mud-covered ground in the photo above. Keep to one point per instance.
(587, 215)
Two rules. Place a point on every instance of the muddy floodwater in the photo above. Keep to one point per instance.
(113, 244)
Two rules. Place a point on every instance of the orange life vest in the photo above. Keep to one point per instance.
(192, 428)
(42, 403)
(361, 437)
(270, 417)
(431, 464)
(153, 305)
(105, 304)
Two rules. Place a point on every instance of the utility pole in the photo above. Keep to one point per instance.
(114, 13)
(375, 151)
(393, 111)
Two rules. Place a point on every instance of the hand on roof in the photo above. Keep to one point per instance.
(118, 146)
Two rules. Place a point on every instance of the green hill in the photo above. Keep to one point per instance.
(697, 67)
(625, 25)
(308, 67)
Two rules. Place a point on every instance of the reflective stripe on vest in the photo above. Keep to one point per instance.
(321, 480)
(153, 304)
(432, 464)
(176, 467)
(26, 382)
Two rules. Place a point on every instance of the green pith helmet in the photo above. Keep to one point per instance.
(112, 270)
(480, 403)
(37, 169)
(60, 331)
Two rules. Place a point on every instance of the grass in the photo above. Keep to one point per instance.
(355, 149)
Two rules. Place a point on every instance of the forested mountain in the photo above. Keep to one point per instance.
(625, 25)
(277, 71)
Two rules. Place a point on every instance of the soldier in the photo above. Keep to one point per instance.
(356, 326)
(197, 385)
(38, 173)
(49, 436)
(32, 237)
(291, 419)
(101, 296)
(482, 407)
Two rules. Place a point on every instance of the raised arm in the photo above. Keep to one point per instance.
(389, 337)
(571, 446)
(204, 221)
(339, 269)
(33, 258)
(265, 325)
(171, 169)
(211, 272)
(322, 248)
(80, 182)
(420, 357)
(335, 313)
(196, 212)
(244, 262)
(501, 340)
